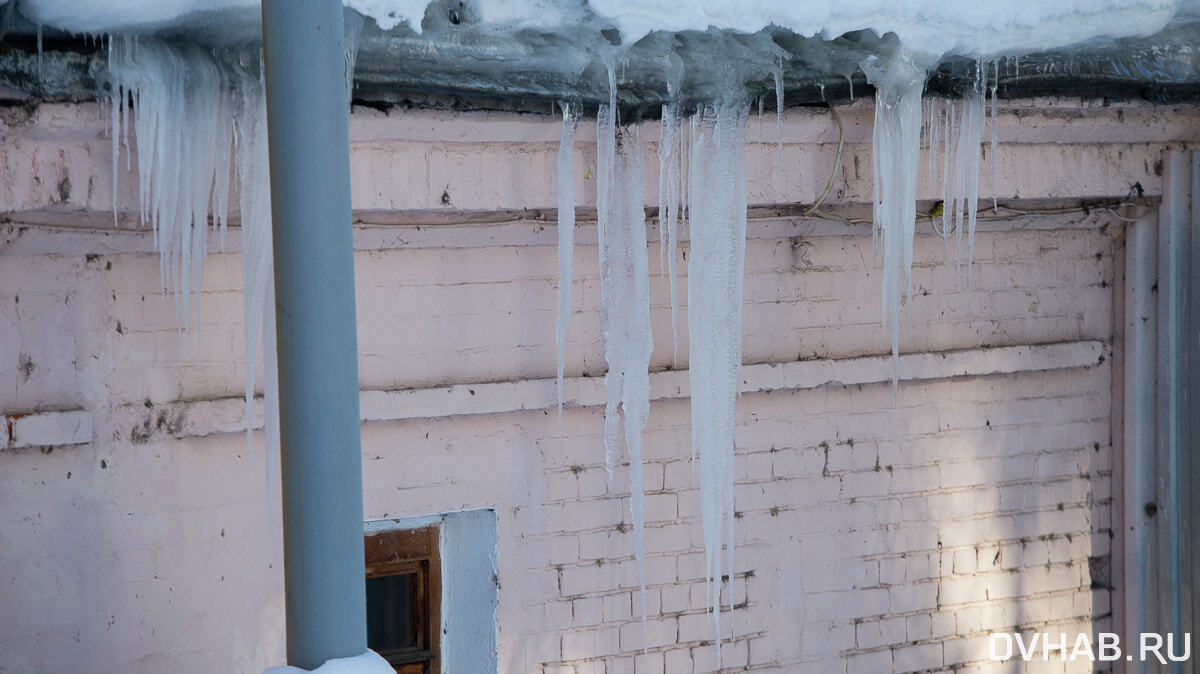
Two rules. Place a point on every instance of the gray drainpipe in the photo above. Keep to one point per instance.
(308, 130)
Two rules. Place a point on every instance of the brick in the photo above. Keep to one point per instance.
(577, 580)
(676, 598)
(695, 627)
(660, 632)
(965, 560)
(967, 650)
(587, 611)
(617, 607)
(917, 658)
(562, 550)
(878, 661)
(893, 630)
(942, 624)
(649, 663)
(914, 597)
(677, 660)
(919, 627)
(591, 643)
(868, 634)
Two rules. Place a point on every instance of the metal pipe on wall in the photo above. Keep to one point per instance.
(321, 464)
(1141, 258)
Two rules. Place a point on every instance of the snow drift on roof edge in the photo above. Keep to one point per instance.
(932, 26)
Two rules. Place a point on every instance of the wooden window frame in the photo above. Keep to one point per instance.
(400, 551)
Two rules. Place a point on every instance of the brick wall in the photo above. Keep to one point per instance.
(876, 530)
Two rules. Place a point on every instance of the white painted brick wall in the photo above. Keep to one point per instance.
(876, 531)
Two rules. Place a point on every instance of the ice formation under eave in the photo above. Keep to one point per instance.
(209, 106)
(625, 313)
(566, 245)
(717, 224)
(933, 26)
(896, 149)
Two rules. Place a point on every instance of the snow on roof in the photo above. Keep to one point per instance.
(933, 26)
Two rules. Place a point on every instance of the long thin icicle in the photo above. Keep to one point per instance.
(968, 137)
(947, 180)
(670, 175)
(606, 196)
(992, 156)
(566, 246)
(258, 291)
(896, 146)
(779, 128)
(625, 295)
(717, 222)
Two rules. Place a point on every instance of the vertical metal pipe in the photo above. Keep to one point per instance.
(1191, 402)
(1173, 241)
(308, 129)
(1139, 442)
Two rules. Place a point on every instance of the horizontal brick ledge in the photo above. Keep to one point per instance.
(46, 429)
(226, 415)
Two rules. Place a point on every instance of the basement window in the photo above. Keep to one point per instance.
(432, 592)
(404, 592)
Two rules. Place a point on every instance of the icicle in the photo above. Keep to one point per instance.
(758, 146)
(352, 30)
(625, 295)
(946, 179)
(117, 129)
(896, 146)
(39, 56)
(199, 117)
(964, 181)
(258, 290)
(669, 157)
(181, 108)
(606, 195)
(664, 152)
(718, 244)
(995, 121)
(932, 129)
(566, 246)
(779, 127)
(270, 413)
(975, 116)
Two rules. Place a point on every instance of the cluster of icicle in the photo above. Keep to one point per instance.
(702, 183)
(209, 107)
(954, 128)
(702, 186)
(199, 118)
(200, 126)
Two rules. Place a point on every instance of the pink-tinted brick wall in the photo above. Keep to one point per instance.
(876, 530)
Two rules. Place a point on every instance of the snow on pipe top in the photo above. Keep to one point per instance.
(934, 27)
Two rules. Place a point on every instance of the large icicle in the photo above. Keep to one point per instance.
(670, 175)
(717, 224)
(258, 290)
(566, 245)
(625, 295)
(198, 116)
(181, 107)
(964, 178)
(896, 156)
(992, 154)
